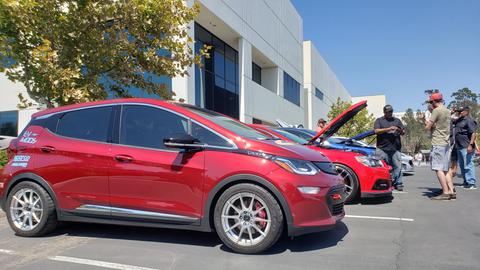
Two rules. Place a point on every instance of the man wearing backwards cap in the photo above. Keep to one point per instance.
(439, 125)
(389, 144)
(465, 135)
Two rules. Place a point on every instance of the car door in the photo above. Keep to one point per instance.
(149, 181)
(73, 156)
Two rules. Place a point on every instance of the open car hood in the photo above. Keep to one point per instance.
(339, 121)
(363, 135)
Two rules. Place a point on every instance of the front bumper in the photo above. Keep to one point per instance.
(379, 194)
(333, 213)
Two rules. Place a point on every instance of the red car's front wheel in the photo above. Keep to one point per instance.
(248, 219)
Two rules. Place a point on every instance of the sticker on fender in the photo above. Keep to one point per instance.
(29, 137)
(20, 161)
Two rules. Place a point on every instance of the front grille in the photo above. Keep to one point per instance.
(382, 184)
(337, 209)
(336, 206)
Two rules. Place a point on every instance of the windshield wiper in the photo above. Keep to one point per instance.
(269, 139)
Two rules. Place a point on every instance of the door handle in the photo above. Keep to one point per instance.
(47, 149)
(123, 158)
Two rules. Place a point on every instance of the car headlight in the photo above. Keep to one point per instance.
(369, 161)
(297, 166)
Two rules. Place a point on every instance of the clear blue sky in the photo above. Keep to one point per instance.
(399, 48)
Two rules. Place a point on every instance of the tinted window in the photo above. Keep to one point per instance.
(318, 93)
(87, 124)
(9, 123)
(291, 136)
(291, 89)
(146, 126)
(300, 133)
(208, 137)
(256, 73)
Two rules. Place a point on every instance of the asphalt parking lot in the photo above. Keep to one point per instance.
(409, 232)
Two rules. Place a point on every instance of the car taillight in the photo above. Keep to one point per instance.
(12, 149)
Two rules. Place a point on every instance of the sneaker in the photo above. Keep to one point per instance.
(399, 188)
(453, 196)
(470, 186)
(441, 197)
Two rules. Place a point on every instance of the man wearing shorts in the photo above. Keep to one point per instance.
(439, 126)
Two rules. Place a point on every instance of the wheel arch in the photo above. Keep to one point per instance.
(351, 169)
(31, 177)
(228, 182)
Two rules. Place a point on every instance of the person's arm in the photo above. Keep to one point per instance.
(472, 128)
(385, 130)
(401, 127)
(379, 130)
(431, 122)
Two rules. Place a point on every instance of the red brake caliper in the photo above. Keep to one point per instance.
(262, 214)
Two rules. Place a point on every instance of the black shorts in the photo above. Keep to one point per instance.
(454, 155)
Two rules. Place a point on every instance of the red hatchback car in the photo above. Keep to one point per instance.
(364, 176)
(152, 163)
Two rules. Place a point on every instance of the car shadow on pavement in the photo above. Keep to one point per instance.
(372, 201)
(308, 242)
(299, 244)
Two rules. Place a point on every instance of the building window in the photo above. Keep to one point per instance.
(217, 83)
(256, 73)
(9, 123)
(318, 93)
(291, 89)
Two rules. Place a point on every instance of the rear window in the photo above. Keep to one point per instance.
(87, 124)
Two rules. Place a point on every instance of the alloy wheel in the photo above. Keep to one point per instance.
(26, 209)
(347, 179)
(246, 219)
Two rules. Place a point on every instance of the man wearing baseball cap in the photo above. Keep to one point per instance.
(465, 135)
(388, 129)
(439, 126)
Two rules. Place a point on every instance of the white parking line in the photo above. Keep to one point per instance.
(399, 192)
(381, 218)
(6, 251)
(98, 263)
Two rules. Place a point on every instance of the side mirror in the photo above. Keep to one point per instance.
(183, 141)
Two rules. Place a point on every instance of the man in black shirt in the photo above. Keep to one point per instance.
(465, 135)
(388, 130)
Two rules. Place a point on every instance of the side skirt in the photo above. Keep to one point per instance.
(130, 217)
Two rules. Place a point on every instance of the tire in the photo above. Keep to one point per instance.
(33, 222)
(351, 182)
(268, 220)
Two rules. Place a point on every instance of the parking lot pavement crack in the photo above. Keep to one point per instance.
(400, 243)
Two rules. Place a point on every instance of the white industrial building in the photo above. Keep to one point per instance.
(260, 67)
(375, 104)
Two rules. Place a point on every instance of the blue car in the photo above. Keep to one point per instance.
(346, 144)
(352, 144)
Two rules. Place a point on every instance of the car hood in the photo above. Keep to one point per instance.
(339, 121)
(363, 135)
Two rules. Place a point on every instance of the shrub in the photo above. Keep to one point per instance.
(3, 158)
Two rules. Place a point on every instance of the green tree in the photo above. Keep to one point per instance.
(362, 122)
(67, 51)
(466, 97)
(415, 137)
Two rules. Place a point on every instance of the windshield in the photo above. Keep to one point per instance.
(302, 133)
(291, 136)
(227, 123)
